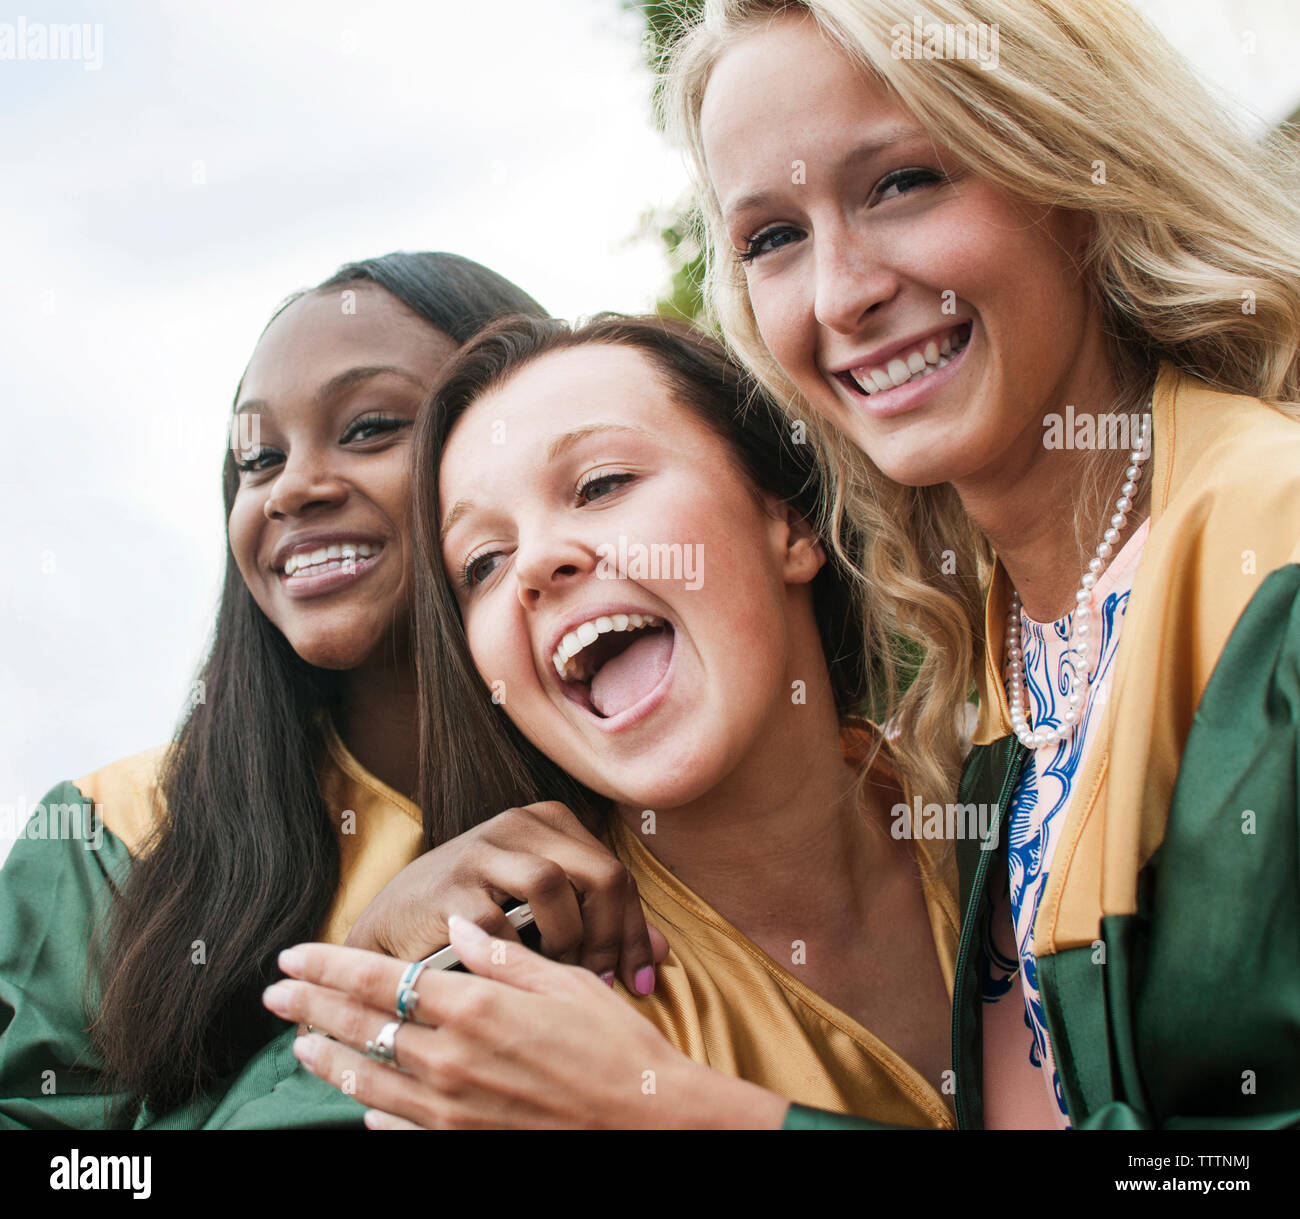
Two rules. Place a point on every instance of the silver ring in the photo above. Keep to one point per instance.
(408, 998)
(384, 1047)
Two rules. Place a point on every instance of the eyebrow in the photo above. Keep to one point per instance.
(558, 446)
(862, 153)
(345, 380)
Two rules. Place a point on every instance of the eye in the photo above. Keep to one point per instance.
(769, 240)
(604, 483)
(904, 181)
(478, 567)
(251, 462)
(374, 424)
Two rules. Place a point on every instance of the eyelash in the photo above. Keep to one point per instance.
(916, 175)
(590, 480)
(377, 419)
(467, 580)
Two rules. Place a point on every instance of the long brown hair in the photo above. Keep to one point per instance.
(246, 858)
(474, 762)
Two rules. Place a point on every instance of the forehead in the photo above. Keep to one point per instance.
(784, 91)
(324, 333)
(563, 390)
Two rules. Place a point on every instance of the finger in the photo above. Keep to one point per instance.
(485, 912)
(372, 980)
(335, 1012)
(636, 963)
(549, 831)
(511, 963)
(370, 1083)
(377, 1119)
(539, 879)
(658, 943)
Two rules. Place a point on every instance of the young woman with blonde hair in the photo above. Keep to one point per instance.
(1052, 296)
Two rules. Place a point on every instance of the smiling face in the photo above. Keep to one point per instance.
(319, 523)
(555, 489)
(931, 316)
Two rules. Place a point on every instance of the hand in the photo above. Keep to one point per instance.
(583, 899)
(528, 1044)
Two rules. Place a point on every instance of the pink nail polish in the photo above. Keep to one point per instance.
(645, 980)
(608, 978)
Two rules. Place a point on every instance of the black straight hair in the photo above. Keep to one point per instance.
(245, 859)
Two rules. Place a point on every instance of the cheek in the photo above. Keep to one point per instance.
(242, 531)
(499, 649)
(393, 489)
(784, 324)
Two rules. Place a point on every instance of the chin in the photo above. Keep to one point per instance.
(917, 462)
(340, 652)
(651, 783)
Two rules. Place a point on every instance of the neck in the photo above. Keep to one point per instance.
(377, 722)
(782, 842)
(1044, 510)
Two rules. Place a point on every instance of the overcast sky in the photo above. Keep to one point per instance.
(155, 208)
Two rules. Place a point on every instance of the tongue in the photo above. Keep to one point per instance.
(624, 680)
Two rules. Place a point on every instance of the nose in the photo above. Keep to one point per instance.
(545, 565)
(305, 482)
(852, 279)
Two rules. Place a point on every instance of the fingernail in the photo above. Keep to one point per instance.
(275, 998)
(466, 929)
(304, 1050)
(645, 980)
(292, 960)
(608, 978)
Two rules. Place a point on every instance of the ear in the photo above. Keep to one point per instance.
(803, 555)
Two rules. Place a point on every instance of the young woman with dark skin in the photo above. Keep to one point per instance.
(282, 807)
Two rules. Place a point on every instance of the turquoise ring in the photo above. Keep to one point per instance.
(408, 998)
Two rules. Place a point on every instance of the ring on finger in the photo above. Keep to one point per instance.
(408, 998)
(384, 1047)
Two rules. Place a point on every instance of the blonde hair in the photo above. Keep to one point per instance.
(1191, 220)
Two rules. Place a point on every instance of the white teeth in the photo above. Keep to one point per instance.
(902, 369)
(327, 558)
(588, 632)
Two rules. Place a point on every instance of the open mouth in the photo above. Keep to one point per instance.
(612, 664)
(909, 366)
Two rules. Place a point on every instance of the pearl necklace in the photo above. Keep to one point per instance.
(1080, 668)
